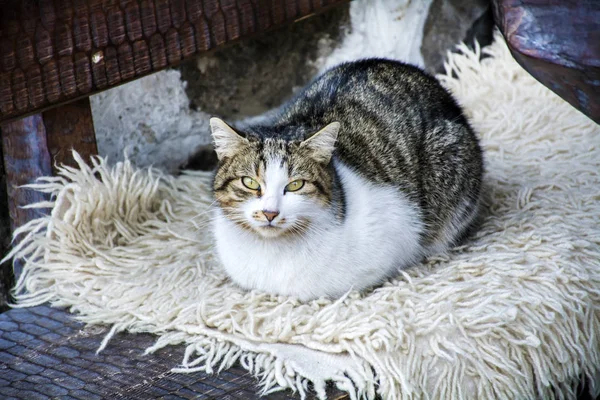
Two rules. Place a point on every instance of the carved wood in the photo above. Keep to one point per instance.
(55, 51)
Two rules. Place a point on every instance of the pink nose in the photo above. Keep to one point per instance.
(270, 215)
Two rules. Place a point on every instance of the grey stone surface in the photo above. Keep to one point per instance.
(255, 75)
(450, 22)
(150, 120)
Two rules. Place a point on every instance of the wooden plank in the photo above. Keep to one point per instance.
(53, 55)
(26, 157)
(70, 127)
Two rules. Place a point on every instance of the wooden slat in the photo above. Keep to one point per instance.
(56, 51)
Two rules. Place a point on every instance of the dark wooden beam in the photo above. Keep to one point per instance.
(70, 127)
(6, 273)
(26, 157)
(34, 145)
(53, 52)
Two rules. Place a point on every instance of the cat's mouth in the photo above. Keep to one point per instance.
(269, 230)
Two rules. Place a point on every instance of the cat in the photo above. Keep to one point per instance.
(370, 168)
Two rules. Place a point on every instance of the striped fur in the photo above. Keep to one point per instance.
(392, 173)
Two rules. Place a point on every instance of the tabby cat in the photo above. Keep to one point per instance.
(368, 170)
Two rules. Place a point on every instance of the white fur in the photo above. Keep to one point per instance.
(289, 206)
(379, 236)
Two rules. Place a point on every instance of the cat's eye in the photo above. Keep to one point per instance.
(294, 186)
(250, 183)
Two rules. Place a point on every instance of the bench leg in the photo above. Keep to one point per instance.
(70, 127)
(33, 145)
(6, 273)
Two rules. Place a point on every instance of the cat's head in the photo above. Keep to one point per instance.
(274, 186)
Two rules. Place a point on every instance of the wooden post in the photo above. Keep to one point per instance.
(32, 146)
(70, 127)
(6, 273)
(26, 158)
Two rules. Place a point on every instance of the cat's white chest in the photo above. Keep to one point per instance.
(379, 235)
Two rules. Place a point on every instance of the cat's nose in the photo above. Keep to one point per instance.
(270, 215)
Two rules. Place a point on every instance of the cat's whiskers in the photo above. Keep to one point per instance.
(210, 207)
(233, 215)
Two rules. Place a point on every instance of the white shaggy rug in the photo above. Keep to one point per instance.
(514, 314)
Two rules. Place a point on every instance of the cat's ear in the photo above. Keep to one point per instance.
(322, 143)
(227, 141)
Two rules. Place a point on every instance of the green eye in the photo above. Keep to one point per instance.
(294, 186)
(250, 183)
